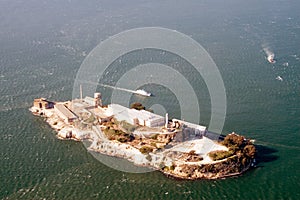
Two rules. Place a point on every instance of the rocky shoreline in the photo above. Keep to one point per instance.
(197, 158)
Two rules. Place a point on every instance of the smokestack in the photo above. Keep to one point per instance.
(81, 92)
(167, 120)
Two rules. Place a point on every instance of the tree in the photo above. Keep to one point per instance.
(146, 149)
(234, 140)
(249, 151)
(137, 106)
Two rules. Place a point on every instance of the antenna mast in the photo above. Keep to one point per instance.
(81, 92)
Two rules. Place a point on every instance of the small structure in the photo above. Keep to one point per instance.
(96, 101)
(100, 114)
(195, 128)
(167, 120)
(64, 113)
(90, 101)
(188, 131)
(43, 103)
(175, 124)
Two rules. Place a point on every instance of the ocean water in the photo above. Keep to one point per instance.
(43, 43)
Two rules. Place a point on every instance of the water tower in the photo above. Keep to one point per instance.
(98, 100)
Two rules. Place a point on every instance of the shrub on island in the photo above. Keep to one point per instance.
(137, 106)
(146, 149)
(220, 155)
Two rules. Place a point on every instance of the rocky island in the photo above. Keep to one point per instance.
(175, 147)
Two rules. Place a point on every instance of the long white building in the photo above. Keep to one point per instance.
(135, 117)
(195, 128)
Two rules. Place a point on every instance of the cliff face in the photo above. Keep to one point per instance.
(229, 167)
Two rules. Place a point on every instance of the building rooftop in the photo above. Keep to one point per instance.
(65, 111)
(115, 109)
(89, 100)
(99, 112)
(191, 125)
(42, 99)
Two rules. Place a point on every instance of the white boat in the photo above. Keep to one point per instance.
(279, 78)
(143, 93)
(271, 58)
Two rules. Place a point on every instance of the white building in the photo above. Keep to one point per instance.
(90, 101)
(195, 128)
(135, 117)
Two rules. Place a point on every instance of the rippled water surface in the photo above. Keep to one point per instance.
(43, 43)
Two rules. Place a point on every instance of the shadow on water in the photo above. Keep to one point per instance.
(265, 154)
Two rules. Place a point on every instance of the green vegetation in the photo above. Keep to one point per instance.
(127, 127)
(172, 167)
(238, 146)
(112, 133)
(154, 137)
(192, 152)
(219, 155)
(146, 149)
(89, 120)
(233, 140)
(137, 106)
(153, 144)
(149, 158)
(249, 151)
(122, 139)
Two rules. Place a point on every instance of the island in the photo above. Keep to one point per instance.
(175, 147)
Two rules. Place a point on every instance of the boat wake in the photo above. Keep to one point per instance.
(270, 54)
(138, 92)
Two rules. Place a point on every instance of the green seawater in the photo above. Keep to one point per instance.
(43, 43)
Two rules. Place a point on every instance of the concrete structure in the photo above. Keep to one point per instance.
(135, 117)
(89, 100)
(81, 92)
(98, 100)
(64, 113)
(167, 120)
(100, 114)
(191, 129)
(43, 103)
